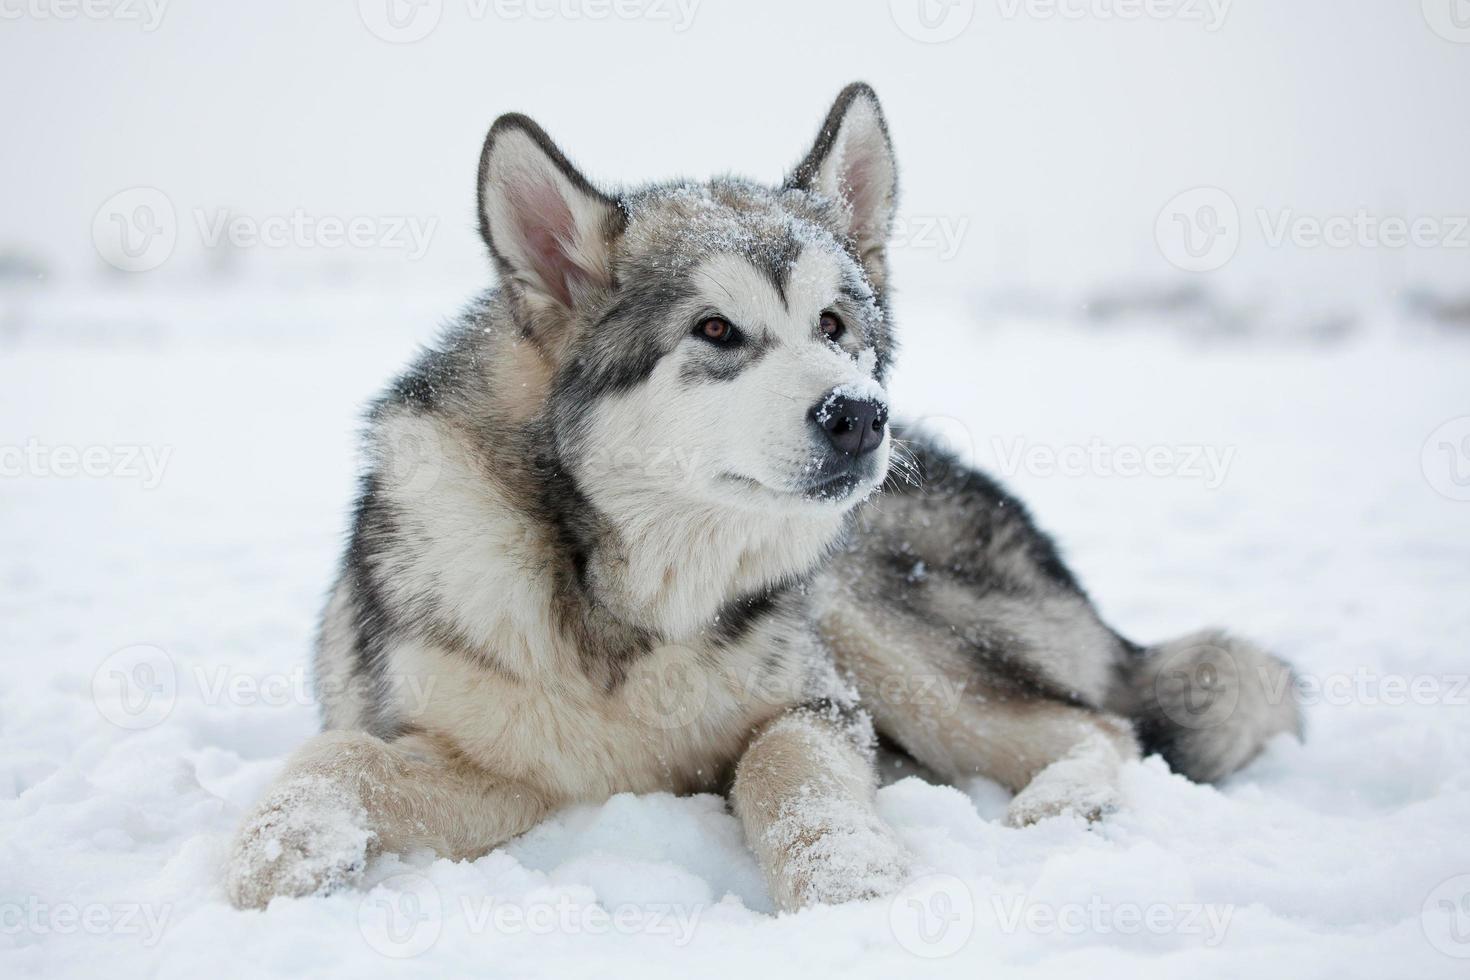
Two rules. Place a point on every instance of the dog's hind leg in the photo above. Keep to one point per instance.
(961, 718)
(804, 792)
(346, 795)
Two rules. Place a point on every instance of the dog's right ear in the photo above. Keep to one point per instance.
(549, 230)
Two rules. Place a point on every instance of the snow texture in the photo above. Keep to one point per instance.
(157, 620)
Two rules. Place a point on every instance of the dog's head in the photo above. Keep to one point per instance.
(722, 343)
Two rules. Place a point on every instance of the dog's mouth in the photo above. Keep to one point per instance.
(833, 489)
(828, 489)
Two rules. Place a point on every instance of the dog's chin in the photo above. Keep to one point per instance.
(839, 491)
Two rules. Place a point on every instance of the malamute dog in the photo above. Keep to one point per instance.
(641, 522)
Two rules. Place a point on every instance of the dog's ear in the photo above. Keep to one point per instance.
(549, 230)
(852, 163)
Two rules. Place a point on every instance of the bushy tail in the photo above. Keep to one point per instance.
(1208, 702)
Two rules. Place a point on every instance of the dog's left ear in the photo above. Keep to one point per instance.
(852, 163)
(549, 230)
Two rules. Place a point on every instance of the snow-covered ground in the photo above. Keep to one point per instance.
(177, 469)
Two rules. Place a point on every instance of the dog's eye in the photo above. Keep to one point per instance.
(832, 326)
(716, 331)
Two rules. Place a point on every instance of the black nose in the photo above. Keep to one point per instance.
(854, 426)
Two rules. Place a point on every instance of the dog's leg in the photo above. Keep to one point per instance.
(964, 716)
(804, 792)
(1057, 758)
(346, 795)
(1088, 750)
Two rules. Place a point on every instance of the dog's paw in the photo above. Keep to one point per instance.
(1047, 798)
(839, 863)
(307, 837)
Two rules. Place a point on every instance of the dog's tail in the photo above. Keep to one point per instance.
(1208, 702)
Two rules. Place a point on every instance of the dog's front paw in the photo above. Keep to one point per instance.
(307, 837)
(840, 862)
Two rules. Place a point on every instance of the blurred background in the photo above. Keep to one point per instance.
(1229, 166)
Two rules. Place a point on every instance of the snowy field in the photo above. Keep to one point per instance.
(177, 475)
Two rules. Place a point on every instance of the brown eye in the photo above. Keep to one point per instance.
(832, 327)
(716, 330)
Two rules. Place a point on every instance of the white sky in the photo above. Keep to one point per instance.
(1047, 144)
